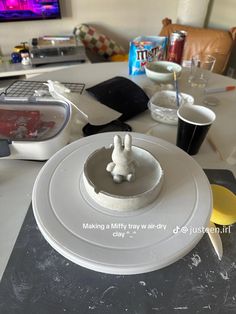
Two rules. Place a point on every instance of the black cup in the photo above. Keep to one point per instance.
(193, 124)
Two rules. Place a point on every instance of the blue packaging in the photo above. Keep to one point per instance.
(144, 49)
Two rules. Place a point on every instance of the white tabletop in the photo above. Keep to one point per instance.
(17, 176)
(18, 69)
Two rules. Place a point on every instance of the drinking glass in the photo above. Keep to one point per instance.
(201, 66)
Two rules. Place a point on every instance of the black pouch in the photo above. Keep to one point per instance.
(121, 94)
(115, 125)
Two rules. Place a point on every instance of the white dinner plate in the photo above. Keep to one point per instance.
(122, 243)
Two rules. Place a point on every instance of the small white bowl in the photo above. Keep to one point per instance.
(162, 71)
(163, 106)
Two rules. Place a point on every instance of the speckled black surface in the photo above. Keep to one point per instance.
(39, 280)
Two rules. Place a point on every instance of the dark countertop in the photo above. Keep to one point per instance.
(39, 280)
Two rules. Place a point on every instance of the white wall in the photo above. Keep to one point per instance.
(222, 14)
(121, 20)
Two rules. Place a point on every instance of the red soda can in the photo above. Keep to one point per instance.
(176, 46)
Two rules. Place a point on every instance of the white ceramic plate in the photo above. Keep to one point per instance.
(121, 243)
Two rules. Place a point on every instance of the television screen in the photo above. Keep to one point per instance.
(23, 10)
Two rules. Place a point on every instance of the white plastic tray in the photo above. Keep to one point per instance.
(121, 243)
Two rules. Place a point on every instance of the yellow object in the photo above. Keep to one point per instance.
(224, 205)
(20, 47)
(119, 57)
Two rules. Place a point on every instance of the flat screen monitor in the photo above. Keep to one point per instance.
(25, 10)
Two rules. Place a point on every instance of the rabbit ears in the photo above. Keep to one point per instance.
(127, 142)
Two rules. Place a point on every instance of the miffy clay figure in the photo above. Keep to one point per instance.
(122, 167)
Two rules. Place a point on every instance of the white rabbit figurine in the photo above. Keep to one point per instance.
(122, 166)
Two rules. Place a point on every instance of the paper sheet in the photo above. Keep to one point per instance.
(222, 133)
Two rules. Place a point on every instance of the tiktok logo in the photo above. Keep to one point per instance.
(176, 230)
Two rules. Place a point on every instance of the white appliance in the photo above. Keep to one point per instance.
(33, 128)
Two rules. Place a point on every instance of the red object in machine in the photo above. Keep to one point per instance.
(21, 123)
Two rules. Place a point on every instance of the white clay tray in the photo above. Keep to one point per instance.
(121, 243)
